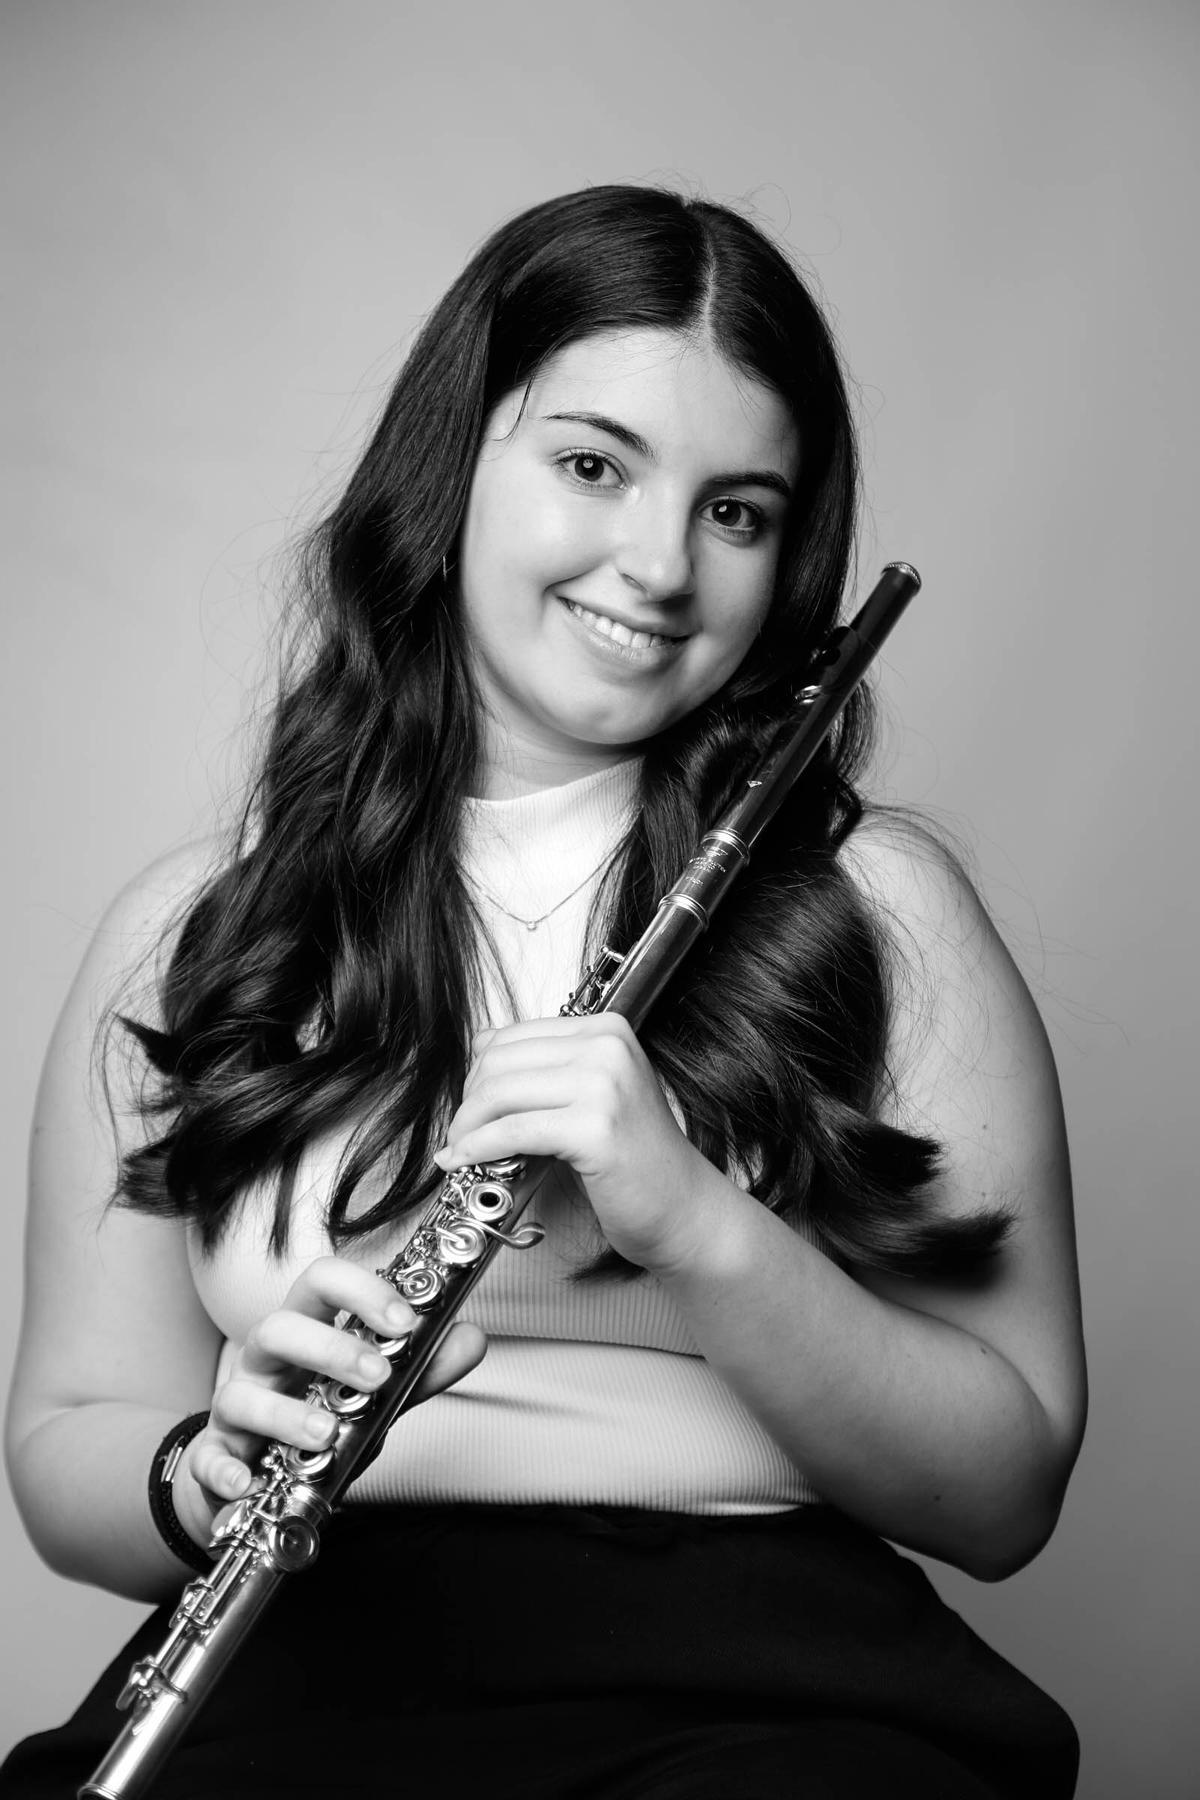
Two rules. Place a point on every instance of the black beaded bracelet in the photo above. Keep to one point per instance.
(162, 1500)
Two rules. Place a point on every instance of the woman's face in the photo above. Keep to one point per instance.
(619, 549)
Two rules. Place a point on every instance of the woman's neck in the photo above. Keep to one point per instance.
(515, 764)
(511, 783)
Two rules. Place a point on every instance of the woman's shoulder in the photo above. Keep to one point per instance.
(911, 873)
(960, 1004)
(89, 1100)
(153, 903)
(919, 887)
(165, 886)
(132, 943)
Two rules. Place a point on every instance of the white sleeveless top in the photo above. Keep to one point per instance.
(590, 1393)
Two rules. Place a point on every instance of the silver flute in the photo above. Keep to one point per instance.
(275, 1530)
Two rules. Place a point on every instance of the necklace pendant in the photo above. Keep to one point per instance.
(532, 924)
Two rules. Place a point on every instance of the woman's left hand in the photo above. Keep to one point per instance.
(583, 1091)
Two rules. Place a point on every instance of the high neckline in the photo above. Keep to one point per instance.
(593, 805)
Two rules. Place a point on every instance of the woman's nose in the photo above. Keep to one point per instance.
(655, 552)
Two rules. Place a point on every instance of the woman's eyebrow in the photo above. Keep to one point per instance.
(632, 440)
(599, 422)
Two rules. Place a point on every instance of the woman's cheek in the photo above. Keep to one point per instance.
(567, 539)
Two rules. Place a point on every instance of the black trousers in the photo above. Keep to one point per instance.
(545, 1653)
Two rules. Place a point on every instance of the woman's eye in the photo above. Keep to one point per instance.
(587, 468)
(735, 517)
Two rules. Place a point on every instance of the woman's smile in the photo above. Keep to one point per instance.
(631, 644)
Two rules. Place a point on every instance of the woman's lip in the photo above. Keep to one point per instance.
(662, 643)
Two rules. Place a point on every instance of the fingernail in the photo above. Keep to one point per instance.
(316, 1429)
(399, 1315)
(443, 1158)
(372, 1367)
(239, 1481)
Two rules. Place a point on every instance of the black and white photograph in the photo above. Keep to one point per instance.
(599, 767)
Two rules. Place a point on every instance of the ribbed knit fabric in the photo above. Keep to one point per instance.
(590, 1392)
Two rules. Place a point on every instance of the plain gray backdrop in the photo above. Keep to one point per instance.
(222, 223)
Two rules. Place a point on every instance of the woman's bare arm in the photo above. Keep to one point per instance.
(946, 1415)
(115, 1346)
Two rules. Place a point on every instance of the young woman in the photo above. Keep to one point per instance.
(808, 1281)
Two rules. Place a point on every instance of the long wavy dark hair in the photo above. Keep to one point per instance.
(329, 973)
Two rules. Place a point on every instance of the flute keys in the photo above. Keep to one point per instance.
(391, 1347)
(198, 1602)
(507, 1170)
(344, 1401)
(461, 1245)
(143, 1684)
(489, 1201)
(420, 1286)
(308, 1464)
(293, 1544)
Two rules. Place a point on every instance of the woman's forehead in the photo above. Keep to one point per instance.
(670, 388)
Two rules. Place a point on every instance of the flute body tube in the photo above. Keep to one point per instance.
(274, 1531)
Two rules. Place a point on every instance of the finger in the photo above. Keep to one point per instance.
(523, 1052)
(558, 1027)
(287, 1347)
(553, 1041)
(245, 1414)
(524, 1088)
(217, 1465)
(490, 1047)
(251, 1416)
(462, 1350)
(334, 1284)
(501, 1037)
(515, 1134)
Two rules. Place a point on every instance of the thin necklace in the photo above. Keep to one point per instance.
(532, 924)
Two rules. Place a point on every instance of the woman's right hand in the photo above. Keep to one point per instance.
(262, 1397)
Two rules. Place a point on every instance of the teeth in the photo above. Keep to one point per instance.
(620, 634)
